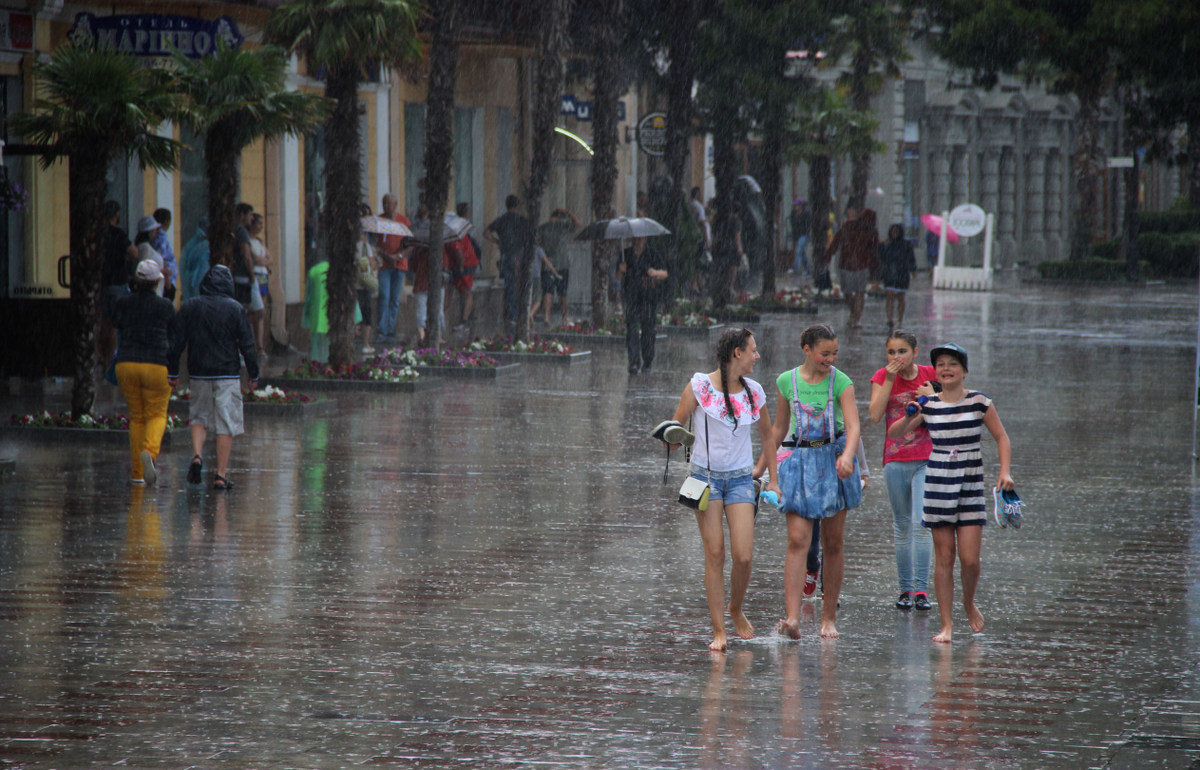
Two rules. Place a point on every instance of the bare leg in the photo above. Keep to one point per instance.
(900, 302)
(224, 447)
(547, 307)
(712, 533)
(564, 310)
(943, 579)
(198, 436)
(833, 567)
(741, 546)
(969, 541)
(890, 306)
(794, 562)
(466, 305)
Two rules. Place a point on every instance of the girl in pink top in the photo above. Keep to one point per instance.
(893, 388)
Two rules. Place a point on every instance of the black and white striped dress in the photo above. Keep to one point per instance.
(954, 492)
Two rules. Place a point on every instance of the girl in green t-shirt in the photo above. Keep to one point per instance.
(817, 418)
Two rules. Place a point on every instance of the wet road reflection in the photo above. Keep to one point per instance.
(492, 572)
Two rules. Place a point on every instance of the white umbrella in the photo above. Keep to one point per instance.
(454, 227)
(621, 228)
(384, 226)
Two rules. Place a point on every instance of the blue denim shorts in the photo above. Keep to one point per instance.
(729, 486)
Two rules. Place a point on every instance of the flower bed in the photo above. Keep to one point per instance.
(586, 333)
(59, 426)
(375, 375)
(795, 301)
(532, 351)
(445, 362)
(739, 312)
(690, 324)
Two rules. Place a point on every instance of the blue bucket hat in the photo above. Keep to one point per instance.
(949, 348)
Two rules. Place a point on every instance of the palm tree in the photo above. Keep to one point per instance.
(234, 98)
(99, 105)
(552, 48)
(439, 149)
(343, 40)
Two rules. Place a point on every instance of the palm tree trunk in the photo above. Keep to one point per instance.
(439, 150)
(343, 174)
(772, 167)
(606, 93)
(1193, 159)
(821, 202)
(725, 258)
(860, 99)
(1084, 169)
(680, 114)
(548, 84)
(86, 201)
(221, 169)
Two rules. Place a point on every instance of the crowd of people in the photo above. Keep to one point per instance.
(811, 460)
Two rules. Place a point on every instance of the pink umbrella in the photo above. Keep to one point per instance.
(933, 224)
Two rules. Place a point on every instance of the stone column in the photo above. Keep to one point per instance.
(1034, 246)
(1055, 237)
(989, 189)
(1006, 209)
(940, 189)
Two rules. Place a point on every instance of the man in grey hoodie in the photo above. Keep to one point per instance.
(216, 332)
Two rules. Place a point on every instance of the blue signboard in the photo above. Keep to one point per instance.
(569, 104)
(154, 34)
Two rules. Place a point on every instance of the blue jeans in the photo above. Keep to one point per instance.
(391, 286)
(914, 544)
(800, 261)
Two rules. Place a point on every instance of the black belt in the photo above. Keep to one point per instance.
(804, 444)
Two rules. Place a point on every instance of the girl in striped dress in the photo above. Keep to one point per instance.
(955, 507)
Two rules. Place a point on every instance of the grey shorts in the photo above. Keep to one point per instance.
(217, 405)
(854, 281)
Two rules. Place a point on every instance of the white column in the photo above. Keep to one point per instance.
(289, 254)
(382, 143)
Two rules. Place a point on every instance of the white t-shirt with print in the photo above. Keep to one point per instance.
(729, 447)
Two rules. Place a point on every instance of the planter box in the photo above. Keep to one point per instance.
(745, 318)
(694, 331)
(576, 339)
(795, 310)
(363, 386)
(314, 408)
(562, 359)
(468, 372)
(74, 435)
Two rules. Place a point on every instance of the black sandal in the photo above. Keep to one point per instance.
(222, 483)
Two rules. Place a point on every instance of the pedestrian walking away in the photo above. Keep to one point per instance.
(215, 331)
(893, 388)
(858, 243)
(143, 320)
(641, 273)
(818, 418)
(722, 405)
(393, 263)
(897, 263)
(800, 222)
(511, 232)
(955, 505)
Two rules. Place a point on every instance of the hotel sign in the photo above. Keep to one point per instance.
(155, 35)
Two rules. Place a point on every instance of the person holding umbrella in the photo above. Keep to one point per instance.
(642, 273)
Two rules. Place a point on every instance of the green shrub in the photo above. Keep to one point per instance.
(1107, 249)
(1084, 269)
(1172, 221)
(1174, 255)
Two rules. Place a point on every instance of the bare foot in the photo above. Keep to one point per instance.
(828, 630)
(788, 627)
(740, 624)
(718, 643)
(975, 618)
(944, 635)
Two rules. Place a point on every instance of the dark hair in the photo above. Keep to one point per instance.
(144, 284)
(695, 192)
(242, 209)
(900, 334)
(363, 210)
(162, 216)
(142, 237)
(816, 333)
(511, 202)
(111, 209)
(730, 341)
(461, 208)
(897, 229)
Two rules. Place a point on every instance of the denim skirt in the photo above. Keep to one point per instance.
(810, 484)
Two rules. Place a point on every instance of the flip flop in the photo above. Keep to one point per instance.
(672, 432)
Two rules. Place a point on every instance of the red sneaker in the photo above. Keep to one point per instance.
(810, 583)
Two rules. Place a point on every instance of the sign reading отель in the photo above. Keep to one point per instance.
(154, 34)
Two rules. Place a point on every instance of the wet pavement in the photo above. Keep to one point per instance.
(493, 573)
